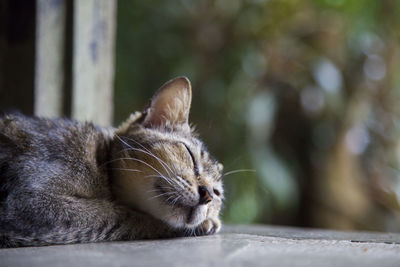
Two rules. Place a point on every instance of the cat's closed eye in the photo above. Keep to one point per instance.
(216, 192)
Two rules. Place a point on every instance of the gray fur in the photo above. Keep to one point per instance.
(56, 184)
(52, 190)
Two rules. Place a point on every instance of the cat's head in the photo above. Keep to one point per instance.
(161, 167)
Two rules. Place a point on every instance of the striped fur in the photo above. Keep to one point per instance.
(63, 181)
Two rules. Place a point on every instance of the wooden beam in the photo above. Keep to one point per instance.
(50, 56)
(93, 60)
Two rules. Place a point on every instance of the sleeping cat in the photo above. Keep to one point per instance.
(63, 181)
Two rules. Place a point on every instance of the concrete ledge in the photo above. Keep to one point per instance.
(235, 246)
(309, 233)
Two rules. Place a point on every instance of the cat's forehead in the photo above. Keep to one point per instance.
(182, 144)
(177, 144)
(193, 147)
(160, 139)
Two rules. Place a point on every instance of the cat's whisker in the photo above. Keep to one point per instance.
(167, 165)
(187, 232)
(171, 180)
(162, 163)
(161, 187)
(162, 194)
(167, 179)
(146, 151)
(125, 169)
(182, 181)
(168, 199)
(175, 200)
(148, 165)
(173, 197)
(150, 153)
(179, 184)
(239, 170)
(194, 232)
(107, 162)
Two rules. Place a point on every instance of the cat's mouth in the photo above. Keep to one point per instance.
(196, 215)
(189, 215)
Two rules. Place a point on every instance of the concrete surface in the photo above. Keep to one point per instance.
(235, 246)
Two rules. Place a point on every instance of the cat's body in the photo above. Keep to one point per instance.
(64, 181)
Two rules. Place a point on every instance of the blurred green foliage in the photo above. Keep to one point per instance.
(303, 92)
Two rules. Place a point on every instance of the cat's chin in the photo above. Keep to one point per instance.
(196, 215)
(185, 216)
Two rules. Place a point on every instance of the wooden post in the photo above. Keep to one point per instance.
(52, 49)
(50, 52)
(93, 60)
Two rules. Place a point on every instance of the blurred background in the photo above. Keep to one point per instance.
(305, 93)
(301, 95)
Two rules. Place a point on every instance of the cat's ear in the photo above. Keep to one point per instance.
(170, 105)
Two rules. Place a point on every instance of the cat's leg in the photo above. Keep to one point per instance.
(44, 219)
(208, 227)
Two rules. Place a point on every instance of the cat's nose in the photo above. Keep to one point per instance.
(205, 195)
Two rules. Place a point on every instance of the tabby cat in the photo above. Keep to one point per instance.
(64, 181)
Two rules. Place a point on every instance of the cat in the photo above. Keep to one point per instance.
(63, 181)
